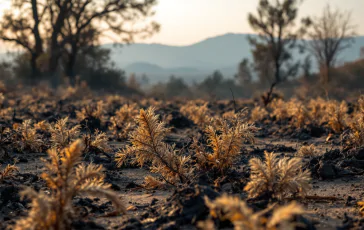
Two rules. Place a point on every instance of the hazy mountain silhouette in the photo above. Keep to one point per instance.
(222, 52)
(194, 62)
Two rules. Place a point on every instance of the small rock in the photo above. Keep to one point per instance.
(327, 171)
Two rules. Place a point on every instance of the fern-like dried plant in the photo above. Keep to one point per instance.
(277, 177)
(43, 126)
(355, 137)
(317, 110)
(244, 218)
(226, 139)
(61, 136)
(66, 178)
(91, 110)
(96, 142)
(337, 116)
(258, 114)
(8, 171)
(148, 146)
(27, 138)
(199, 114)
(123, 121)
(280, 109)
(299, 113)
(307, 151)
(361, 207)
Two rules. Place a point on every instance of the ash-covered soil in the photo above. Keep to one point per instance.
(337, 172)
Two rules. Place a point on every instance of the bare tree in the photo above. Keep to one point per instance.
(58, 30)
(275, 24)
(331, 33)
(20, 26)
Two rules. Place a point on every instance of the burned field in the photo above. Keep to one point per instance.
(72, 159)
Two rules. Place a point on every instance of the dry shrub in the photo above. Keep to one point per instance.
(61, 136)
(91, 111)
(337, 116)
(307, 151)
(242, 217)
(226, 138)
(66, 178)
(361, 207)
(355, 137)
(258, 114)
(27, 138)
(277, 177)
(317, 110)
(123, 121)
(42, 126)
(280, 110)
(96, 142)
(299, 113)
(148, 146)
(9, 171)
(199, 114)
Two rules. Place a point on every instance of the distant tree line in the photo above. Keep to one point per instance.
(61, 37)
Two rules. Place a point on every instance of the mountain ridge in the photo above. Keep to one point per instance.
(197, 60)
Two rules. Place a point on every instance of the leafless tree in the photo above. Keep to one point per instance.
(330, 34)
(275, 24)
(51, 29)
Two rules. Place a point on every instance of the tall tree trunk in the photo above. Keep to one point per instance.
(70, 68)
(37, 37)
(55, 47)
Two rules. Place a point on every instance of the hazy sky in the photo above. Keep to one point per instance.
(188, 21)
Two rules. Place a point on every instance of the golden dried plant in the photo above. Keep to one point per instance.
(280, 109)
(337, 115)
(123, 121)
(361, 207)
(61, 136)
(151, 182)
(277, 177)
(42, 126)
(299, 113)
(66, 178)
(226, 139)
(317, 110)
(96, 142)
(199, 114)
(2, 99)
(9, 171)
(233, 209)
(355, 136)
(307, 151)
(27, 138)
(148, 146)
(258, 114)
(91, 110)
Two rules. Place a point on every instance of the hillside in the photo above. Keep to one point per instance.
(194, 62)
(222, 52)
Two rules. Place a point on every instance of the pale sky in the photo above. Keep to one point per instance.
(185, 22)
(188, 21)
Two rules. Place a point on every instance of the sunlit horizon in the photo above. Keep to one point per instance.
(185, 22)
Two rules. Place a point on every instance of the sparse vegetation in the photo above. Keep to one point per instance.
(65, 178)
(78, 135)
(148, 147)
(228, 208)
(277, 177)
